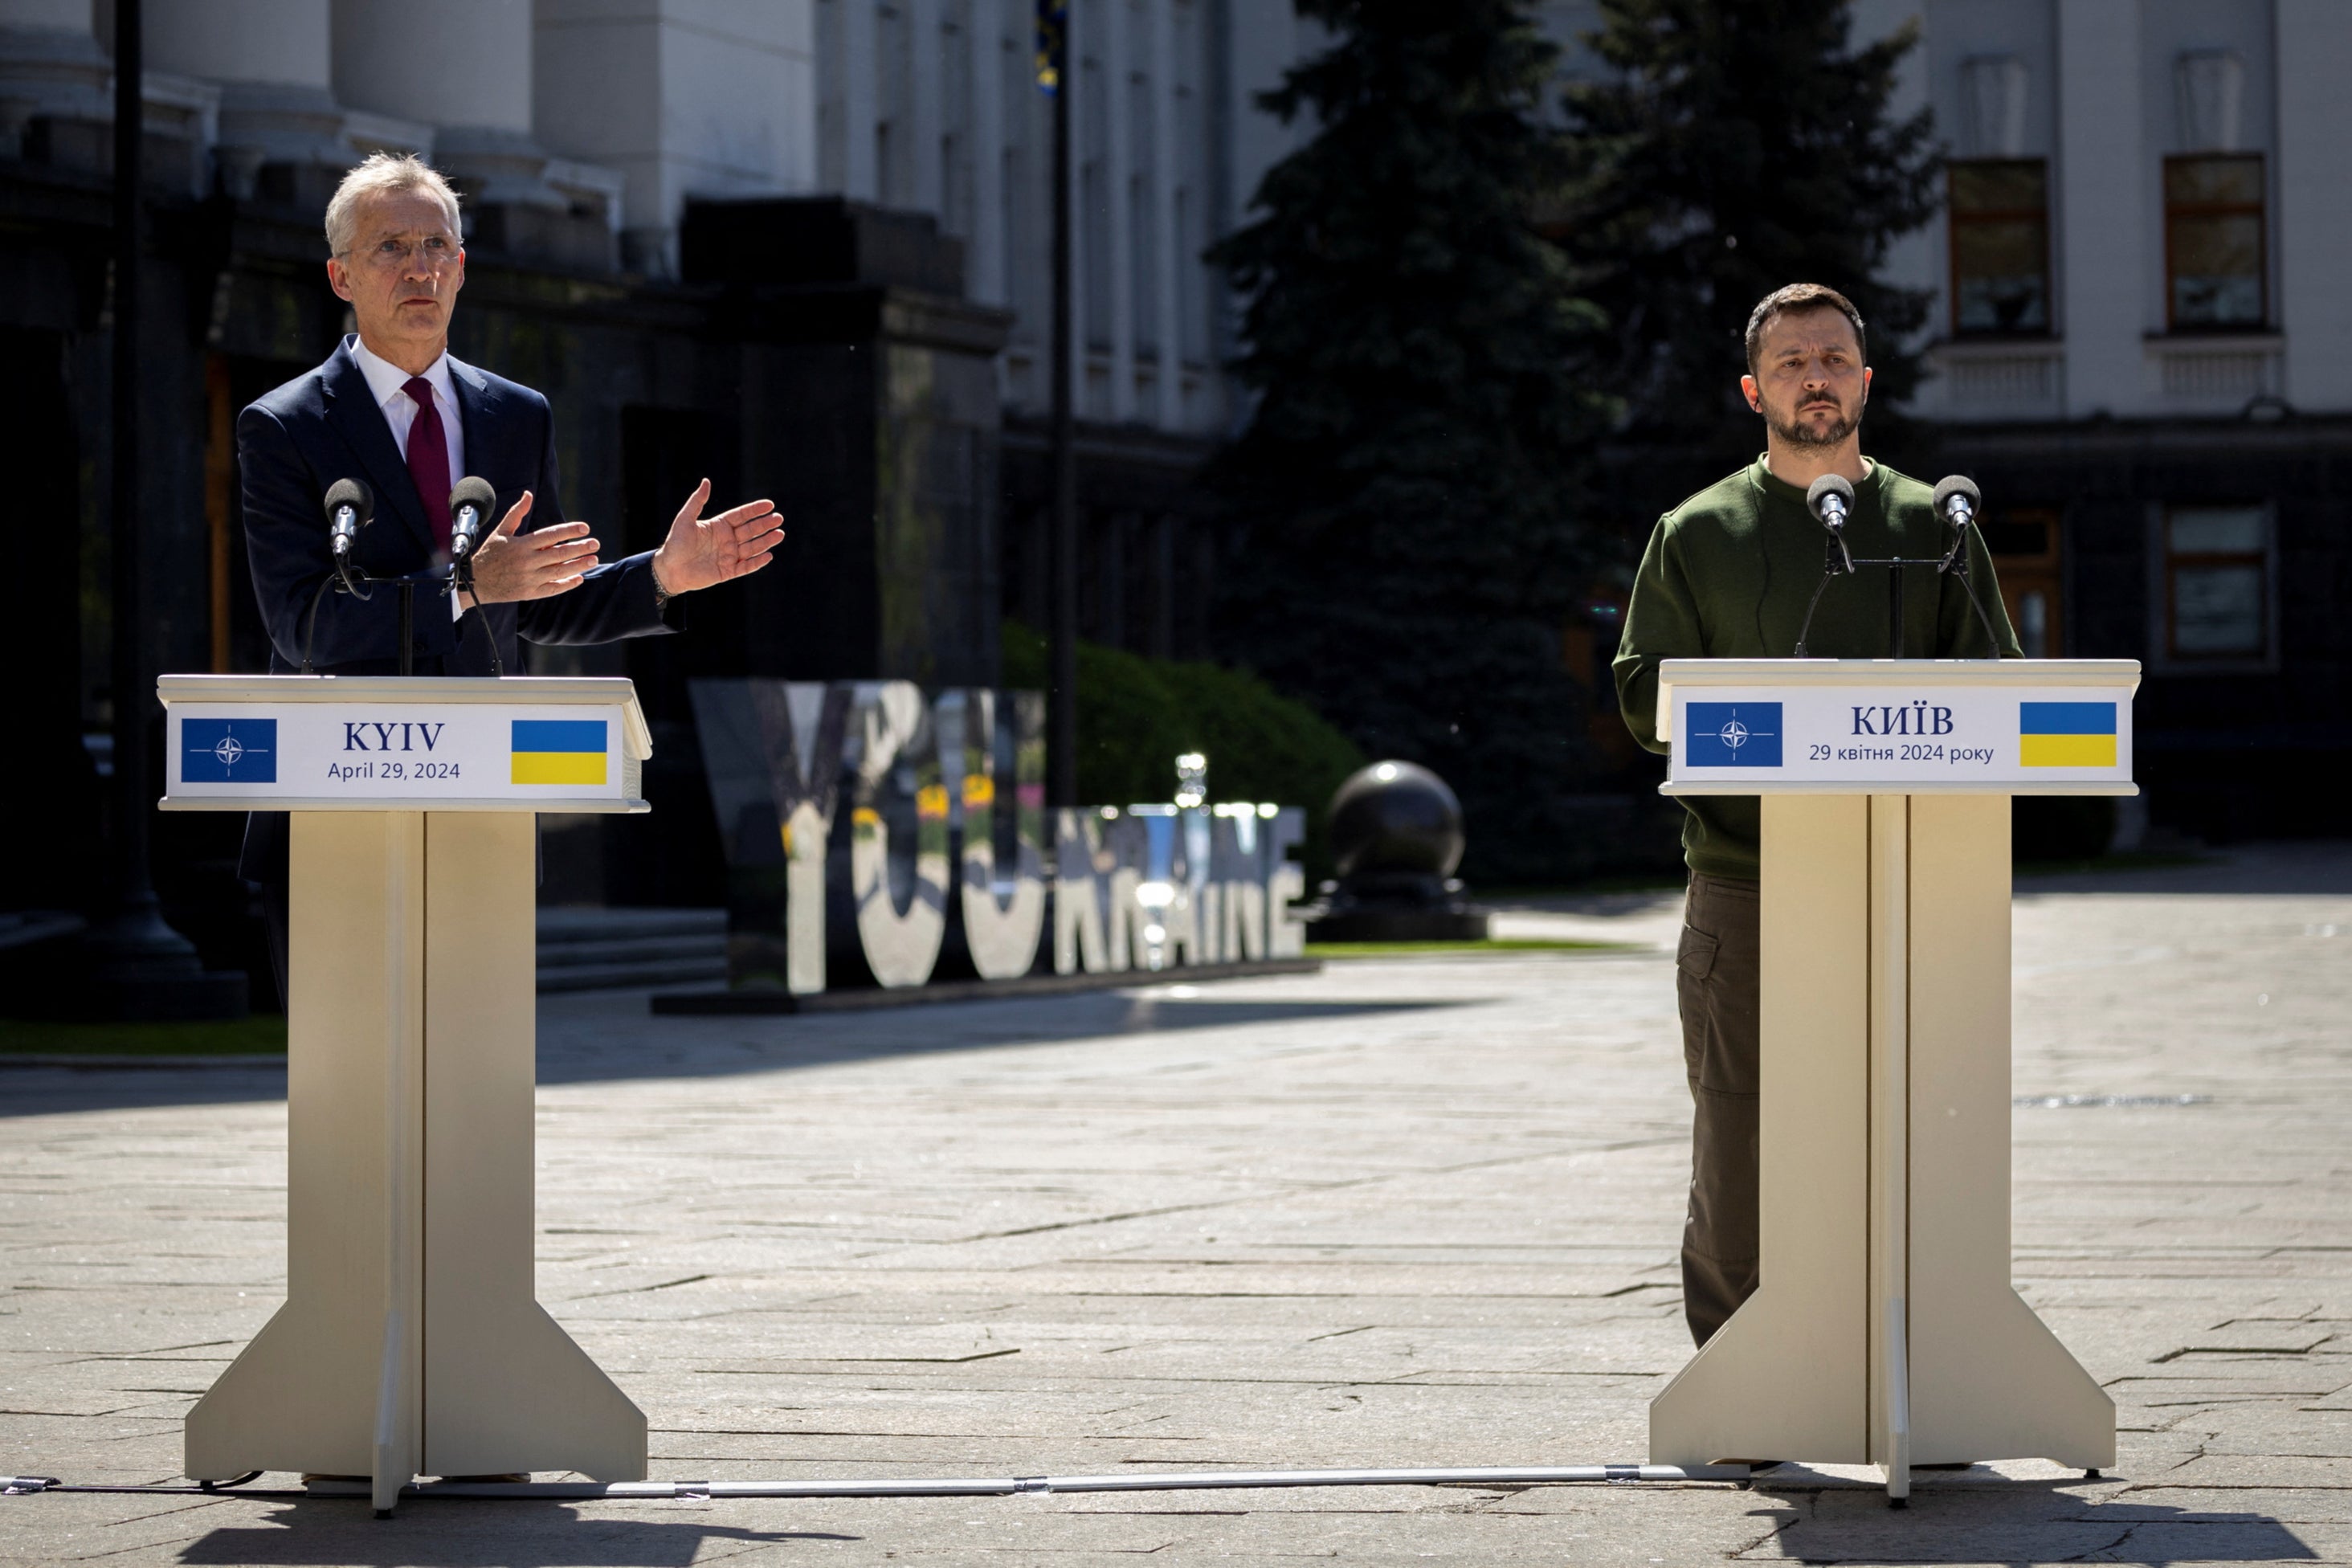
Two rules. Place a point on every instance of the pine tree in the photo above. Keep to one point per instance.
(1407, 492)
(1734, 146)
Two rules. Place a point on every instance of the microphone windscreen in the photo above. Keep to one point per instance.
(473, 492)
(1827, 485)
(354, 494)
(1958, 485)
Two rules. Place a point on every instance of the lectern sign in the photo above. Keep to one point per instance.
(317, 744)
(2030, 727)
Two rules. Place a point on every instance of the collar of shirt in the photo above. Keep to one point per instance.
(387, 381)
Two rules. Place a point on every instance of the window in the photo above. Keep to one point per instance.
(2217, 582)
(2024, 543)
(2215, 271)
(2001, 246)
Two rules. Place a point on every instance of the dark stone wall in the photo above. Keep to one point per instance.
(1148, 547)
(2222, 753)
(866, 406)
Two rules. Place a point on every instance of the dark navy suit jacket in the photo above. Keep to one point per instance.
(326, 426)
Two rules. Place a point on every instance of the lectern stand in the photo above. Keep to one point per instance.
(410, 1342)
(1884, 1330)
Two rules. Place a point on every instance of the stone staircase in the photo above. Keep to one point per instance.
(582, 948)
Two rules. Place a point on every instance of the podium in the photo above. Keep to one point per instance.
(1884, 1329)
(411, 1340)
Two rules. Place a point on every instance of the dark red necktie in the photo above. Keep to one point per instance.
(428, 459)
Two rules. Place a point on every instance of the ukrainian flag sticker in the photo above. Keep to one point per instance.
(2066, 734)
(559, 751)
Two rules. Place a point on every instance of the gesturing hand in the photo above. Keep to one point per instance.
(702, 551)
(509, 566)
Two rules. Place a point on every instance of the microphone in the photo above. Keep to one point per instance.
(1830, 499)
(470, 505)
(1957, 500)
(350, 507)
(471, 502)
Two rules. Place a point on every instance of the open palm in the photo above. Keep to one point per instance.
(703, 551)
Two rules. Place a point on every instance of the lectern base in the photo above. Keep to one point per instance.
(410, 1342)
(1884, 1115)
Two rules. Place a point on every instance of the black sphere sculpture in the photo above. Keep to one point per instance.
(1395, 819)
(1395, 834)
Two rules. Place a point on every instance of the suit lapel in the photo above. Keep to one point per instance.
(476, 406)
(351, 410)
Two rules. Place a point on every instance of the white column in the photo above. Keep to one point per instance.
(272, 60)
(1916, 260)
(596, 93)
(925, 118)
(464, 65)
(1166, 163)
(679, 103)
(983, 252)
(2104, 229)
(48, 16)
(1114, 52)
(50, 66)
(2315, 202)
(857, 67)
(453, 62)
(241, 40)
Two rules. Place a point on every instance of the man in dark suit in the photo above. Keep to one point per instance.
(391, 407)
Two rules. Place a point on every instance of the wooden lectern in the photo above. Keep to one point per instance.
(1884, 1330)
(410, 1342)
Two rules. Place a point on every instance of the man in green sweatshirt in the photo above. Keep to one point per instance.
(1727, 575)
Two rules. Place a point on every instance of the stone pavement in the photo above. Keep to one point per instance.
(1418, 1212)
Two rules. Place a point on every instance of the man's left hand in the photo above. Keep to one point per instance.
(701, 551)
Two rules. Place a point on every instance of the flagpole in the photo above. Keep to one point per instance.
(1062, 636)
(137, 933)
(140, 966)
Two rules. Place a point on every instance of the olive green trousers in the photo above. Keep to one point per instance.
(1715, 984)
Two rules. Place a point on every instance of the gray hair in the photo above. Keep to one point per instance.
(379, 174)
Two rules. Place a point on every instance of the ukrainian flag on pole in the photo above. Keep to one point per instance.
(2066, 734)
(559, 751)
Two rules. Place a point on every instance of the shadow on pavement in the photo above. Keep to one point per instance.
(2317, 868)
(484, 1535)
(682, 1047)
(1991, 1520)
(599, 1038)
(1980, 1523)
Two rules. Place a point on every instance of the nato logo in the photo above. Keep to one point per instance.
(228, 750)
(1731, 735)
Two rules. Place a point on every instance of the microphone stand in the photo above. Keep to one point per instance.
(345, 578)
(406, 586)
(461, 581)
(1958, 563)
(1955, 561)
(456, 577)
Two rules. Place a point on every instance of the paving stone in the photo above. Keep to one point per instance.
(1411, 1212)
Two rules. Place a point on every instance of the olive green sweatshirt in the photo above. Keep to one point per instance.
(1727, 575)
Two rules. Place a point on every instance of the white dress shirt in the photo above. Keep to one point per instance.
(389, 383)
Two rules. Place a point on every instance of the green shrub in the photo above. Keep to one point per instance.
(1137, 714)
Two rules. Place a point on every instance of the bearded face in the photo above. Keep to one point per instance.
(1809, 381)
(1820, 419)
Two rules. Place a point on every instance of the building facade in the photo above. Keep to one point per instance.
(799, 246)
(2141, 347)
